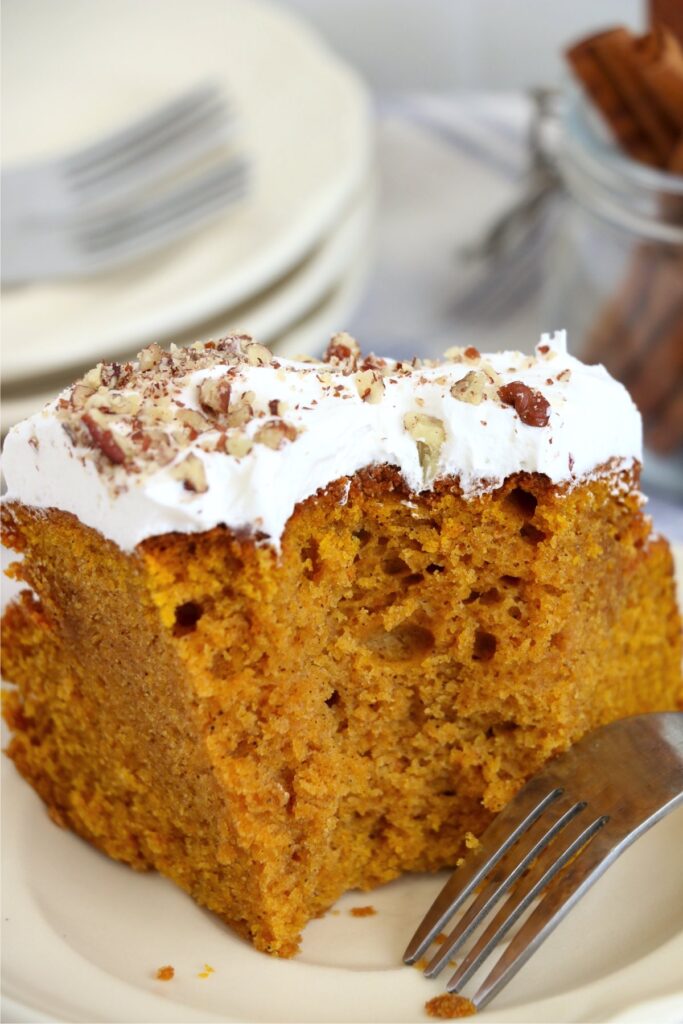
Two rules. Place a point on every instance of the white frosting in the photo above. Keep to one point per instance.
(592, 420)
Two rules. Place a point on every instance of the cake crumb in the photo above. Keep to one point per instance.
(165, 973)
(471, 841)
(449, 1006)
(208, 970)
(362, 911)
(441, 938)
(420, 964)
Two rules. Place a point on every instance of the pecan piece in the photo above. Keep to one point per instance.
(258, 355)
(238, 444)
(242, 410)
(80, 393)
(150, 357)
(214, 394)
(471, 387)
(343, 350)
(429, 434)
(192, 419)
(370, 386)
(530, 405)
(93, 378)
(192, 473)
(274, 433)
(116, 403)
(104, 440)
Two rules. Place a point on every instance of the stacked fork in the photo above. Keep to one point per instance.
(124, 197)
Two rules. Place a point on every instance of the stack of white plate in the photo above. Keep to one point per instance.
(287, 264)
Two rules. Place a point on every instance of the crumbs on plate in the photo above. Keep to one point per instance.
(208, 970)
(165, 973)
(362, 911)
(449, 1006)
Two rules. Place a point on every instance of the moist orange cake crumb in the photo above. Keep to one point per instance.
(273, 721)
(449, 1006)
(368, 911)
(165, 973)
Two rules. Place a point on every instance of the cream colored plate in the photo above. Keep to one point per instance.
(84, 936)
(305, 125)
(317, 297)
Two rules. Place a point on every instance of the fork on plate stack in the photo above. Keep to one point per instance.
(125, 196)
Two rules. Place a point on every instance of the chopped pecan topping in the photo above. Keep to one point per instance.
(104, 439)
(80, 395)
(276, 407)
(238, 444)
(150, 357)
(192, 473)
(241, 411)
(491, 374)
(373, 362)
(214, 394)
(370, 386)
(343, 350)
(93, 378)
(472, 353)
(429, 434)
(471, 388)
(258, 355)
(530, 405)
(115, 375)
(192, 419)
(115, 403)
(274, 433)
(564, 375)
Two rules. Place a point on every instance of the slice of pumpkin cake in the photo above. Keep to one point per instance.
(297, 627)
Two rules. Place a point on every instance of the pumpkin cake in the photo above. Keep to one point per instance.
(296, 627)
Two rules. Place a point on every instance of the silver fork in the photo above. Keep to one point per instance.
(553, 841)
(154, 146)
(504, 267)
(107, 239)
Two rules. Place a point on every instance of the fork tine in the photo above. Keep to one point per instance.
(512, 281)
(176, 111)
(556, 903)
(510, 870)
(165, 223)
(571, 842)
(206, 129)
(499, 837)
(568, 890)
(107, 230)
(503, 280)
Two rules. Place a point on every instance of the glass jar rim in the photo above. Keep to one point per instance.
(602, 155)
(622, 192)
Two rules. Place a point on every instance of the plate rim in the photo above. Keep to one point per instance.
(323, 210)
(326, 267)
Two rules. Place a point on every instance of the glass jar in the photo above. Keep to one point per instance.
(615, 279)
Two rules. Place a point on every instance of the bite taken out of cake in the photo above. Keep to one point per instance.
(296, 627)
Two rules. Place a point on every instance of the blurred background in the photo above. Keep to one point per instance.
(421, 173)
